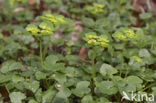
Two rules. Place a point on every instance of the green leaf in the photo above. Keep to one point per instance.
(17, 97)
(17, 78)
(71, 82)
(51, 59)
(144, 53)
(102, 22)
(46, 26)
(40, 75)
(154, 90)
(133, 83)
(107, 69)
(32, 101)
(12, 48)
(54, 67)
(5, 78)
(51, 65)
(82, 88)
(104, 100)
(133, 80)
(88, 22)
(63, 93)
(73, 59)
(32, 85)
(59, 100)
(48, 96)
(87, 99)
(61, 78)
(71, 71)
(9, 66)
(38, 95)
(107, 87)
(27, 38)
(145, 15)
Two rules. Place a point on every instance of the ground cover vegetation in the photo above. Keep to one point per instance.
(77, 51)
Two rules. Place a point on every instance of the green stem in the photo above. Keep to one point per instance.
(93, 71)
(126, 73)
(149, 86)
(121, 64)
(93, 65)
(122, 59)
(46, 47)
(41, 54)
(117, 12)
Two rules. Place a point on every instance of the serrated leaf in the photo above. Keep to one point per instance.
(40, 75)
(48, 95)
(61, 78)
(107, 87)
(17, 78)
(51, 59)
(32, 101)
(63, 93)
(17, 97)
(87, 99)
(107, 69)
(145, 15)
(133, 80)
(32, 85)
(11, 66)
(82, 88)
(144, 53)
(88, 22)
(5, 78)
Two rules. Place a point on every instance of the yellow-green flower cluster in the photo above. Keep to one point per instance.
(56, 19)
(93, 39)
(49, 24)
(137, 59)
(33, 29)
(124, 34)
(129, 33)
(44, 28)
(95, 8)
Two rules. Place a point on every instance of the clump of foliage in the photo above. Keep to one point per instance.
(41, 63)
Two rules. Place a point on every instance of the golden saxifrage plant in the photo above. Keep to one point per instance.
(50, 23)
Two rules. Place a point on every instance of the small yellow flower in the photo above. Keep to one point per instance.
(96, 5)
(95, 9)
(103, 40)
(137, 59)
(51, 18)
(121, 37)
(96, 40)
(47, 32)
(125, 34)
(92, 36)
(103, 44)
(32, 28)
(45, 26)
(92, 41)
(61, 19)
(129, 33)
